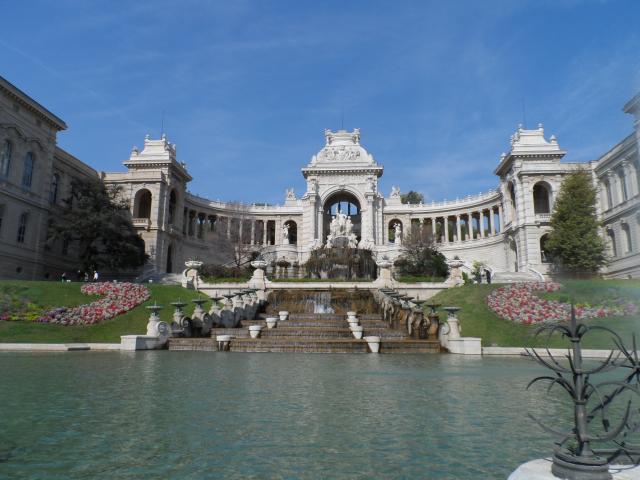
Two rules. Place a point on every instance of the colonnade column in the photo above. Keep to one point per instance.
(264, 232)
(481, 222)
(458, 228)
(253, 232)
(492, 219)
(500, 221)
(446, 229)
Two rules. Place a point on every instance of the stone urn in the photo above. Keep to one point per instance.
(455, 276)
(272, 322)
(353, 323)
(259, 264)
(454, 323)
(351, 316)
(284, 315)
(357, 331)
(374, 343)
(254, 331)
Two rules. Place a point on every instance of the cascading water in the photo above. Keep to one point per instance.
(321, 302)
(336, 301)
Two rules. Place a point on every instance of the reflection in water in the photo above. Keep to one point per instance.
(209, 414)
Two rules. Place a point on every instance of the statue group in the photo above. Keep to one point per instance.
(341, 232)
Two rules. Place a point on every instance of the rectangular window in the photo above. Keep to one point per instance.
(22, 227)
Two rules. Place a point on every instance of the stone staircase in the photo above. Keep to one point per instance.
(311, 333)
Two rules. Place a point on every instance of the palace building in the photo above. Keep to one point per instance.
(505, 227)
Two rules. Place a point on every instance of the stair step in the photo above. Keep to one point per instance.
(307, 345)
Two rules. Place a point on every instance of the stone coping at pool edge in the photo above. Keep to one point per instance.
(75, 347)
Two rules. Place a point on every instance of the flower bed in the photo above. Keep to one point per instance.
(117, 298)
(520, 303)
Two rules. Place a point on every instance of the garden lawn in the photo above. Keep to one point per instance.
(57, 294)
(477, 320)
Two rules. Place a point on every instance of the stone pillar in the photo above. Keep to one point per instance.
(264, 232)
(492, 220)
(253, 232)
(500, 221)
(228, 227)
(481, 223)
(278, 239)
(458, 228)
(446, 229)
(240, 225)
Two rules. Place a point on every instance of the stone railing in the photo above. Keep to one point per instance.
(489, 195)
(142, 223)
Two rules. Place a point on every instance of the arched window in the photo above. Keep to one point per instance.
(53, 193)
(142, 204)
(292, 232)
(623, 184)
(172, 207)
(512, 199)
(613, 250)
(22, 227)
(5, 159)
(27, 173)
(608, 194)
(545, 257)
(626, 233)
(541, 198)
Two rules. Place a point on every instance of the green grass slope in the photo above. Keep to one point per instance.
(477, 320)
(52, 294)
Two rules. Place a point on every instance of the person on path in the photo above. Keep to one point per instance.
(95, 275)
(63, 277)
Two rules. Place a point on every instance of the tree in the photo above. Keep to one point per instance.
(574, 244)
(97, 223)
(412, 197)
(420, 257)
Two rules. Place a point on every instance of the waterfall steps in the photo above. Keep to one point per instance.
(311, 333)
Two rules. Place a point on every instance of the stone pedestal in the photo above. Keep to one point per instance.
(385, 279)
(540, 469)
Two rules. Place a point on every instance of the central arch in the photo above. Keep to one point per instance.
(344, 202)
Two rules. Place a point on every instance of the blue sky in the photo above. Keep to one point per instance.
(247, 87)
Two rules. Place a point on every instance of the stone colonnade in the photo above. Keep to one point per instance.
(249, 231)
(453, 228)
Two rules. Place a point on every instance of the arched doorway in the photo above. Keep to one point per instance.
(545, 257)
(170, 259)
(142, 204)
(344, 203)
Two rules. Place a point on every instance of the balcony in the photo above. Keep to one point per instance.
(144, 223)
(543, 217)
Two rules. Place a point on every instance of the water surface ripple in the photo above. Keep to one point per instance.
(198, 415)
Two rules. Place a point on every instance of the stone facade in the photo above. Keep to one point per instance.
(504, 227)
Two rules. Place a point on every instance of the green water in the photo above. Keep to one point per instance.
(195, 415)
